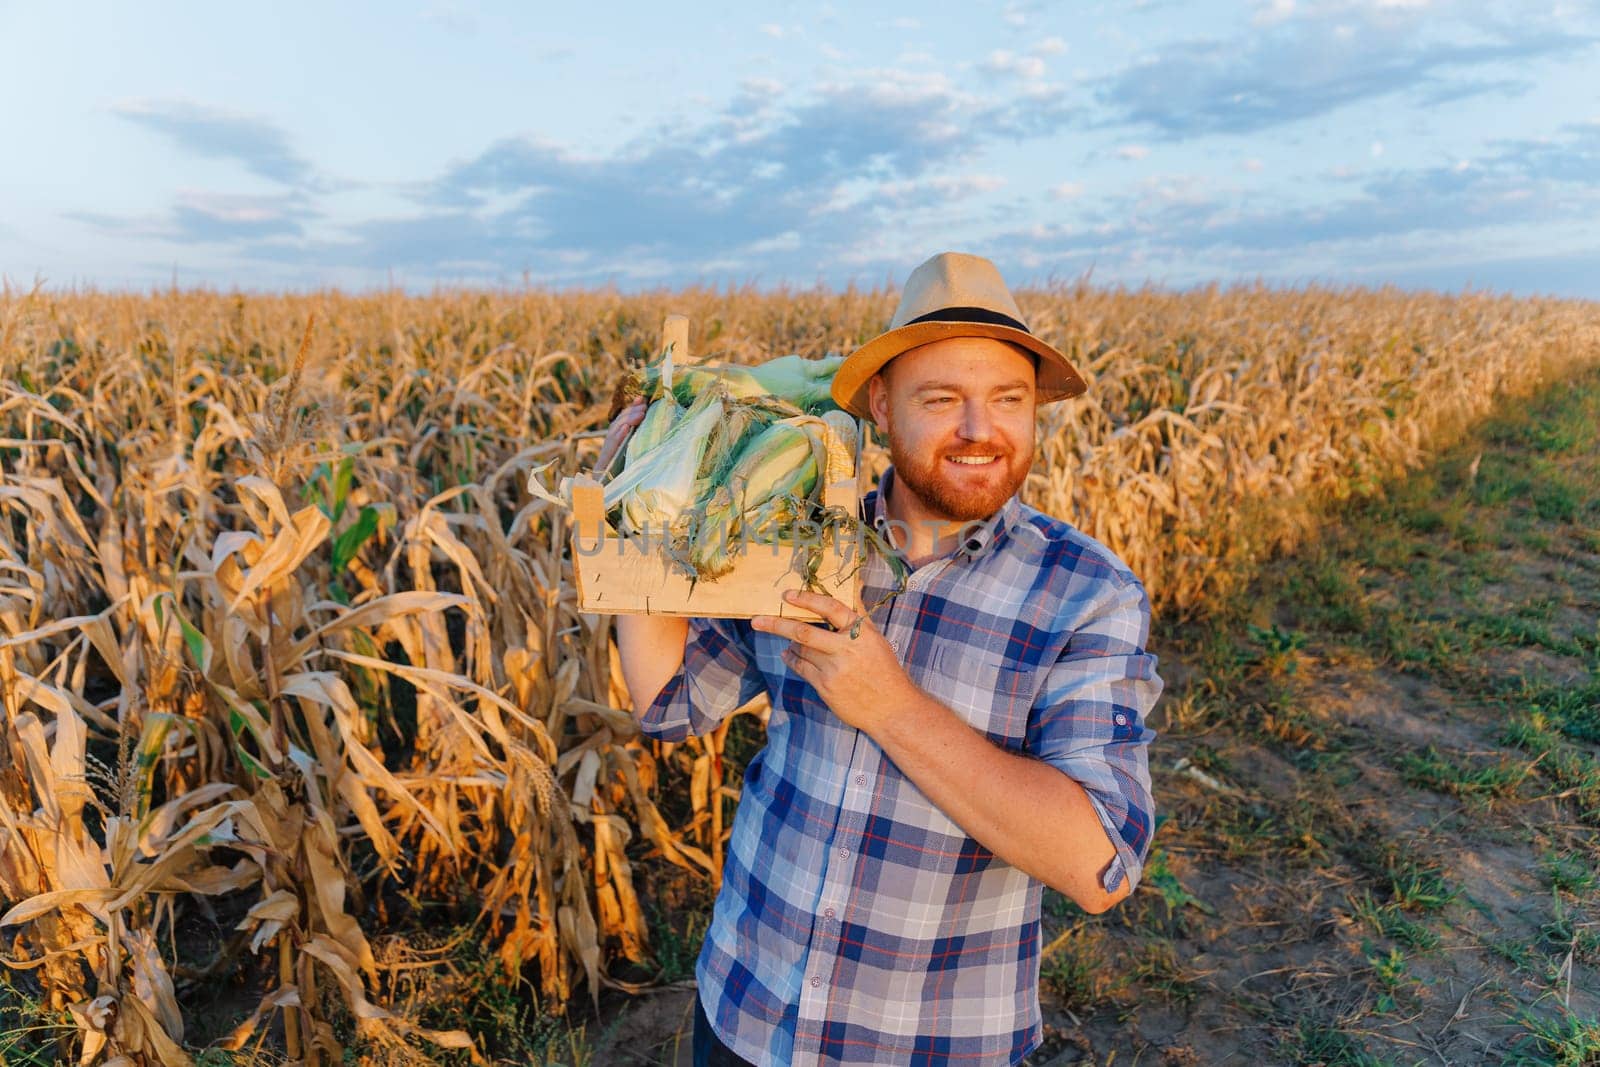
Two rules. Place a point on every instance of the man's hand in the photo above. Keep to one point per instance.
(850, 666)
(622, 427)
(1027, 812)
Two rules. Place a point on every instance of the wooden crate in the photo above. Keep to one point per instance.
(617, 576)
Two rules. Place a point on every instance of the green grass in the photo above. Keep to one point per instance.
(1566, 932)
(1317, 1044)
(676, 941)
(1390, 920)
(30, 1033)
(1076, 971)
(1429, 769)
(1159, 972)
(1401, 871)
(1569, 872)
(1559, 1040)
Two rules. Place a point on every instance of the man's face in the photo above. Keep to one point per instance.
(959, 414)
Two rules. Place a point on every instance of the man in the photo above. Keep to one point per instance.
(931, 763)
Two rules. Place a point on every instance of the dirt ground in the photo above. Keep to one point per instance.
(1379, 790)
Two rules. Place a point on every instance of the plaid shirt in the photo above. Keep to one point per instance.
(857, 924)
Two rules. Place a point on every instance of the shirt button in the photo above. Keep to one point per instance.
(894, 646)
(861, 779)
(1120, 719)
(827, 913)
(816, 980)
(844, 853)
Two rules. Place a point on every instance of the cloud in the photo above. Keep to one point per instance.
(932, 192)
(1003, 63)
(452, 16)
(261, 147)
(213, 218)
(221, 218)
(854, 175)
(738, 189)
(1388, 220)
(1573, 158)
(1306, 60)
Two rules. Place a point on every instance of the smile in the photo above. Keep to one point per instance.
(973, 461)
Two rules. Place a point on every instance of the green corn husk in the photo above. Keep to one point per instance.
(659, 486)
(803, 383)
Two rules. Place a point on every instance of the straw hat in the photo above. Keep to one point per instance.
(952, 295)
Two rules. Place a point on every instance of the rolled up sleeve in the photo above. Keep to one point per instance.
(1088, 721)
(719, 674)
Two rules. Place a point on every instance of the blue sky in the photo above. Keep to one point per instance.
(1429, 143)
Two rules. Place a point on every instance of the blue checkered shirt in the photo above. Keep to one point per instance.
(857, 924)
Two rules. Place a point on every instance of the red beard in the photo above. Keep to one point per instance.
(949, 493)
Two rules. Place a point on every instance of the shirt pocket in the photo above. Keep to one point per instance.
(992, 696)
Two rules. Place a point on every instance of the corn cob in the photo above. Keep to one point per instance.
(659, 419)
(781, 462)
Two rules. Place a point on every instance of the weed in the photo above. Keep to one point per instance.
(1389, 920)
(1158, 970)
(1561, 1040)
(1072, 967)
(1058, 906)
(1328, 590)
(1420, 885)
(1515, 951)
(1520, 629)
(1159, 877)
(1297, 831)
(1531, 732)
(1564, 934)
(677, 950)
(30, 1033)
(1389, 970)
(1279, 649)
(1569, 872)
(1430, 770)
(1411, 881)
(1316, 1044)
(1210, 760)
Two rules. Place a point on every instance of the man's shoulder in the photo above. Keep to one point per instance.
(1063, 545)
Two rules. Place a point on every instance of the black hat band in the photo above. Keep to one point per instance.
(983, 315)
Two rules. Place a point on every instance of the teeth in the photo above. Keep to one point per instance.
(972, 460)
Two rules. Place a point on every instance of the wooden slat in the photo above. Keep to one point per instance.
(675, 334)
(618, 577)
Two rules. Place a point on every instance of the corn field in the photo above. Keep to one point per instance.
(284, 640)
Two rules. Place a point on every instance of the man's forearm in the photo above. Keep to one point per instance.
(651, 649)
(1026, 812)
